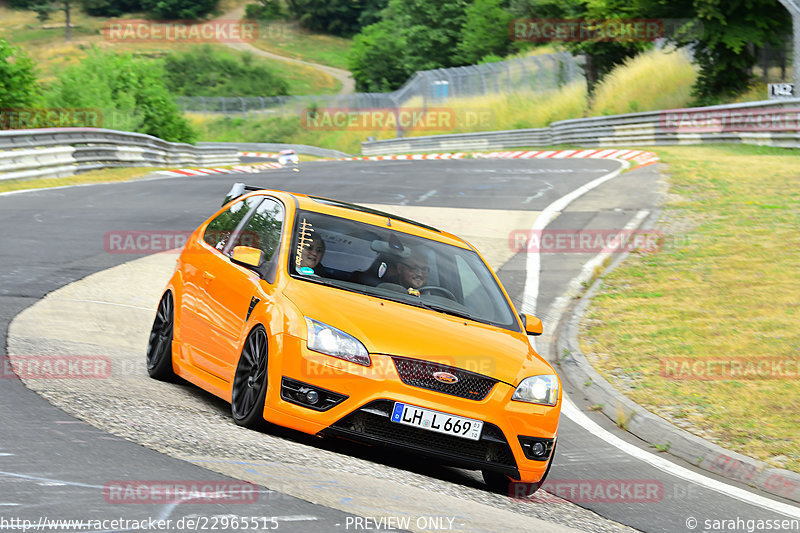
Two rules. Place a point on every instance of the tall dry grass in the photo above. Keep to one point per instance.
(657, 79)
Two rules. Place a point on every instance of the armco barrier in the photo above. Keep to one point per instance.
(277, 147)
(735, 123)
(66, 151)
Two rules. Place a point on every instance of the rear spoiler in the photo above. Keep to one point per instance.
(238, 190)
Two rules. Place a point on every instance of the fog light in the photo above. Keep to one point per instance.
(538, 449)
(312, 397)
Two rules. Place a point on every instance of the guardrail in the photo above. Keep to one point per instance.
(771, 123)
(66, 151)
(277, 147)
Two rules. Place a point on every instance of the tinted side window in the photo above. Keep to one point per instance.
(263, 230)
(220, 229)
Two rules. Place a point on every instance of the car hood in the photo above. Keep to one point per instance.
(392, 328)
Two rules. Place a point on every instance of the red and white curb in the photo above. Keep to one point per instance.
(257, 154)
(238, 169)
(639, 157)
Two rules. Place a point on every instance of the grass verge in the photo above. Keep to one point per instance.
(723, 289)
(95, 176)
(289, 39)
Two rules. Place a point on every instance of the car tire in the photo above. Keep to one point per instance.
(250, 381)
(159, 345)
(502, 484)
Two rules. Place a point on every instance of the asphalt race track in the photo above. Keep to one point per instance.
(54, 465)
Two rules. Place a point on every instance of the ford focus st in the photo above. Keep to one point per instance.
(338, 320)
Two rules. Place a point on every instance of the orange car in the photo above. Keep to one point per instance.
(339, 320)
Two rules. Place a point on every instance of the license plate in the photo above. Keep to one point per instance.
(437, 421)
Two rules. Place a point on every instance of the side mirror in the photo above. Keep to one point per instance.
(247, 256)
(532, 325)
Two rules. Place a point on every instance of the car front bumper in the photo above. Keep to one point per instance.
(369, 393)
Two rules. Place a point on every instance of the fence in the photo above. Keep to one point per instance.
(772, 123)
(67, 151)
(532, 73)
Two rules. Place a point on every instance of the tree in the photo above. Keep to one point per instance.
(45, 8)
(18, 87)
(601, 55)
(431, 30)
(179, 9)
(413, 35)
(111, 8)
(374, 59)
(485, 31)
(338, 17)
(722, 48)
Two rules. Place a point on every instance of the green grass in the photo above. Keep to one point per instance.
(95, 176)
(723, 286)
(288, 39)
(52, 53)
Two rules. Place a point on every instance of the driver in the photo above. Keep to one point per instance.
(412, 272)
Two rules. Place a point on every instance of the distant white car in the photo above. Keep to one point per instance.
(288, 157)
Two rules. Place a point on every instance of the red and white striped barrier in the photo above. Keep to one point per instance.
(639, 157)
(238, 169)
(257, 154)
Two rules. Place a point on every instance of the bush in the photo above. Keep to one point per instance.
(204, 71)
(374, 59)
(179, 9)
(18, 87)
(265, 10)
(130, 93)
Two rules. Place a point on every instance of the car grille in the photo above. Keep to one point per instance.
(420, 374)
(372, 423)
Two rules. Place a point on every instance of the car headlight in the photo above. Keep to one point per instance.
(538, 389)
(331, 341)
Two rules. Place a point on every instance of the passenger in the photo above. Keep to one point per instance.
(312, 253)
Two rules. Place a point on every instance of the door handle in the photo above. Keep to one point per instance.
(208, 276)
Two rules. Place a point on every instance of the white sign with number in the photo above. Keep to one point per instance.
(781, 90)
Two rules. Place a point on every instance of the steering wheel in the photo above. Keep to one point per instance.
(434, 288)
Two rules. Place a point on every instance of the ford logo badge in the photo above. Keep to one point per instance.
(445, 377)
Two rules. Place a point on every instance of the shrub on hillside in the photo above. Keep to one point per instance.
(264, 10)
(204, 71)
(18, 87)
(130, 93)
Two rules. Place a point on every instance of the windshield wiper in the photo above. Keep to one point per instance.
(448, 310)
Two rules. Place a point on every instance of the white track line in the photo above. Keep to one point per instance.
(571, 411)
(533, 264)
(576, 415)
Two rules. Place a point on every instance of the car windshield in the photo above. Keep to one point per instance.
(397, 266)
